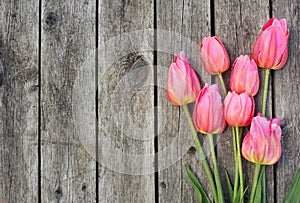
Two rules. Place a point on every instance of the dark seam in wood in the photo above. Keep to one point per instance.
(156, 181)
(96, 99)
(39, 102)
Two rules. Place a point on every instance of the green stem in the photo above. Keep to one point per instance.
(222, 83)
(254, 184)
(236, 174)
(265, 91)
(263, 111)
(216, 169)
(201, 153)
(238, 146)
(264, 197)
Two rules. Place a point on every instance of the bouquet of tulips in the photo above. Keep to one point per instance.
(261, 145)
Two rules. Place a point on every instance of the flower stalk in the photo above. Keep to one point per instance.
(239, 160)
(216, 168)
(255, 181)
(201, 153)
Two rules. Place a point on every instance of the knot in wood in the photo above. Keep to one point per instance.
(163, 185)
(58, 193)
(51, 20)
(192, 150)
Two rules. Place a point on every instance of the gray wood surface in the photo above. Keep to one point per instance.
(132, 104)
(18, 101)
(286, 98)
(68, 38)
(177, 31)
(126, 101)
(238, 24)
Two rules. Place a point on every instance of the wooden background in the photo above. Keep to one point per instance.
(76, 73)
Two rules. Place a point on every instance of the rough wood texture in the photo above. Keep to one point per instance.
(18, 101)
(126, 101)
(286, 99)
(68, 38)
(127, 104)
(181, 26)
(238, 24)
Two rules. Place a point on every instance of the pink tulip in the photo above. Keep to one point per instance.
(262, 143)
(239, 109)
(208, 113)
(244, 76)
(214, 55)
(183, 85)
(271, 48)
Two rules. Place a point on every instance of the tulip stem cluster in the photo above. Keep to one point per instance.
(239, 161)
(216, 168)
(255, 180)
(201, 153)
(236, 175)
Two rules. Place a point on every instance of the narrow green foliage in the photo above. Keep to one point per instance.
(293, 194)
(201, 194)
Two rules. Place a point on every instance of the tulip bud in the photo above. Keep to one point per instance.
(244, 76)
(271, 48)
(262, 143)
(208, 113)
(183, 85)
(214, 56)
(239, 109)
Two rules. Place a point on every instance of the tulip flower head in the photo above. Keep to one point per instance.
(183, 85)
(214, 56)
(244, 76)
(238, 109)
(208, 113)
(262, 143)
(271, 48)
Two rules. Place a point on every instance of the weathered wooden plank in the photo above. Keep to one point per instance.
(238, 24)
(126, 101)
(286, 98)
(68, 41)
(19, 101)
(181, 25)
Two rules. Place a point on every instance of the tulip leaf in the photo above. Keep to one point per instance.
(201, 194)
(229, 185)
(244, 194)
(238, 198)
(293, 194)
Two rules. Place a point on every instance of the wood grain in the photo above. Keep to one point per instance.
(238, 24)
(127, 104)
(126, 101)
(181, 26)
(68, 38)
(286, 98)
(19, 101)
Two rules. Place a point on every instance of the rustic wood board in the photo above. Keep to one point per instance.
(19, 101)
(286, 99)
(238, 24)
(126, 101)
(181, 26)
(68, 172)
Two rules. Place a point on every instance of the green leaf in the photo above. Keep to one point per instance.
(244, 193)
(293, 194)
(238, 197)
(229, 185)
(201, 194)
